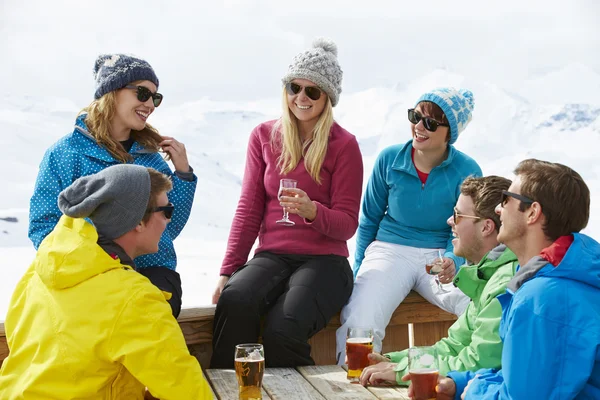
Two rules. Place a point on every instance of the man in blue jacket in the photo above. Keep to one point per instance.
(551, 314)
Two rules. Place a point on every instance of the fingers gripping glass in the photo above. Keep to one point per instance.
(167, 210)
(429, 123)
(506, 194)
(143, 94)
(312, 92)
(285, 184)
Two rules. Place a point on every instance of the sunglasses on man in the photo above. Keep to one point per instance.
(506, 194)
(312, 92)
(456, 216)
(143, 94)
(167, 210)
(429, 123)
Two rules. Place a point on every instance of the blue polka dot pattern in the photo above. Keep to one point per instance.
(77, 154)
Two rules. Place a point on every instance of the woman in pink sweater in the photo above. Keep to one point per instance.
(299, 276)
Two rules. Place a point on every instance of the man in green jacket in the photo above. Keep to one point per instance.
(473, 341)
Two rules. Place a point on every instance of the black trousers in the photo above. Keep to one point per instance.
(168, 281)
(295, 294)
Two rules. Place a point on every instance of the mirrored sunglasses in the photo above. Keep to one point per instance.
(312, 92)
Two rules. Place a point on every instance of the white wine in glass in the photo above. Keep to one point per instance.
(285, 184)
(433, 266)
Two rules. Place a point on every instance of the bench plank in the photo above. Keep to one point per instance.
(331, 382)
(385, 393)
(426, 334)
(224, 384)
(288, 384)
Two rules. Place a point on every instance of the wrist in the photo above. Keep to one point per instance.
(313, 213)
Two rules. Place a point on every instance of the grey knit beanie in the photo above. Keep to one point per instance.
(115, 71)
(115, 199)
(319, 65)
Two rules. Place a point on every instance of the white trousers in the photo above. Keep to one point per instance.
(386, 276)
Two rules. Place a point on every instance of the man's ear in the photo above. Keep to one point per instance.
(141, 227)
(534, 213)
(488, 228)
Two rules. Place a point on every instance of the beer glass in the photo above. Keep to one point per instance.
(359, 344)
(285, 184)
(249, 370)
(423, 370)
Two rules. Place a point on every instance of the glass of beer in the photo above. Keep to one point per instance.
(359, 344)
(249, 370)
(423, 370)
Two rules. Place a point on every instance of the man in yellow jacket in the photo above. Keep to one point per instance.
(82, 324)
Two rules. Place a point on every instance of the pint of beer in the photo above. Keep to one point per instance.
(423, 370)
(249, 370)
(359, 344)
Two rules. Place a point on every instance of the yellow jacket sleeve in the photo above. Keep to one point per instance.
(148, 342)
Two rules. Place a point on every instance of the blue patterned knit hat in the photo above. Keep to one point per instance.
(457, 105)
(115, 71)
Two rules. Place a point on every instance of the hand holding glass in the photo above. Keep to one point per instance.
(249, 370)
(423, 370)
(359, 344)
(433, 266)
(285, 184)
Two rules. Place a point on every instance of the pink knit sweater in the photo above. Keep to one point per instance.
(337, 200)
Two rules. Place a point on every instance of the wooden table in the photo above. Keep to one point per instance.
(302, 383)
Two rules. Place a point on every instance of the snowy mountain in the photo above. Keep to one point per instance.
(507, 127)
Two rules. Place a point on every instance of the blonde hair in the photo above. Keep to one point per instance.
(286, 138)
(99, 116)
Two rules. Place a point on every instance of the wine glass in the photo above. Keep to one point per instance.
(285, 184)
(433, 266)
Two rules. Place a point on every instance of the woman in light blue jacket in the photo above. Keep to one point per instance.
(113, 130)
(410, 195)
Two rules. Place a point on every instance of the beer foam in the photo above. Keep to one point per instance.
(423, 371)
(360, 340)
(249, 359)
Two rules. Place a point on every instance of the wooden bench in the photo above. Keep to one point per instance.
(429, 324)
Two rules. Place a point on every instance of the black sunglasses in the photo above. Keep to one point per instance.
(312, 92)
(167, 210)
(143, 94)
(506, 194)
(430, 124)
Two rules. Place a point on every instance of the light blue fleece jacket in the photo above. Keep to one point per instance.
(398, 208)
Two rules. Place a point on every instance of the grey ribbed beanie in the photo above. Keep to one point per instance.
(115, 199)
(319, 65)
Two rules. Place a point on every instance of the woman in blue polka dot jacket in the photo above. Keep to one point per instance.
(113, 130)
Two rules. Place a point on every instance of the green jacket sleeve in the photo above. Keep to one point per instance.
(484, 350)
(463, 350)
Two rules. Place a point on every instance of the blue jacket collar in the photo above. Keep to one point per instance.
(91, 148)
(403, 161)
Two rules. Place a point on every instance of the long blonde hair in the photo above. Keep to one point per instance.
(99, 116)
(285, 137)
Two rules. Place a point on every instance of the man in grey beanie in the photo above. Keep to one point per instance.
(81, 307)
